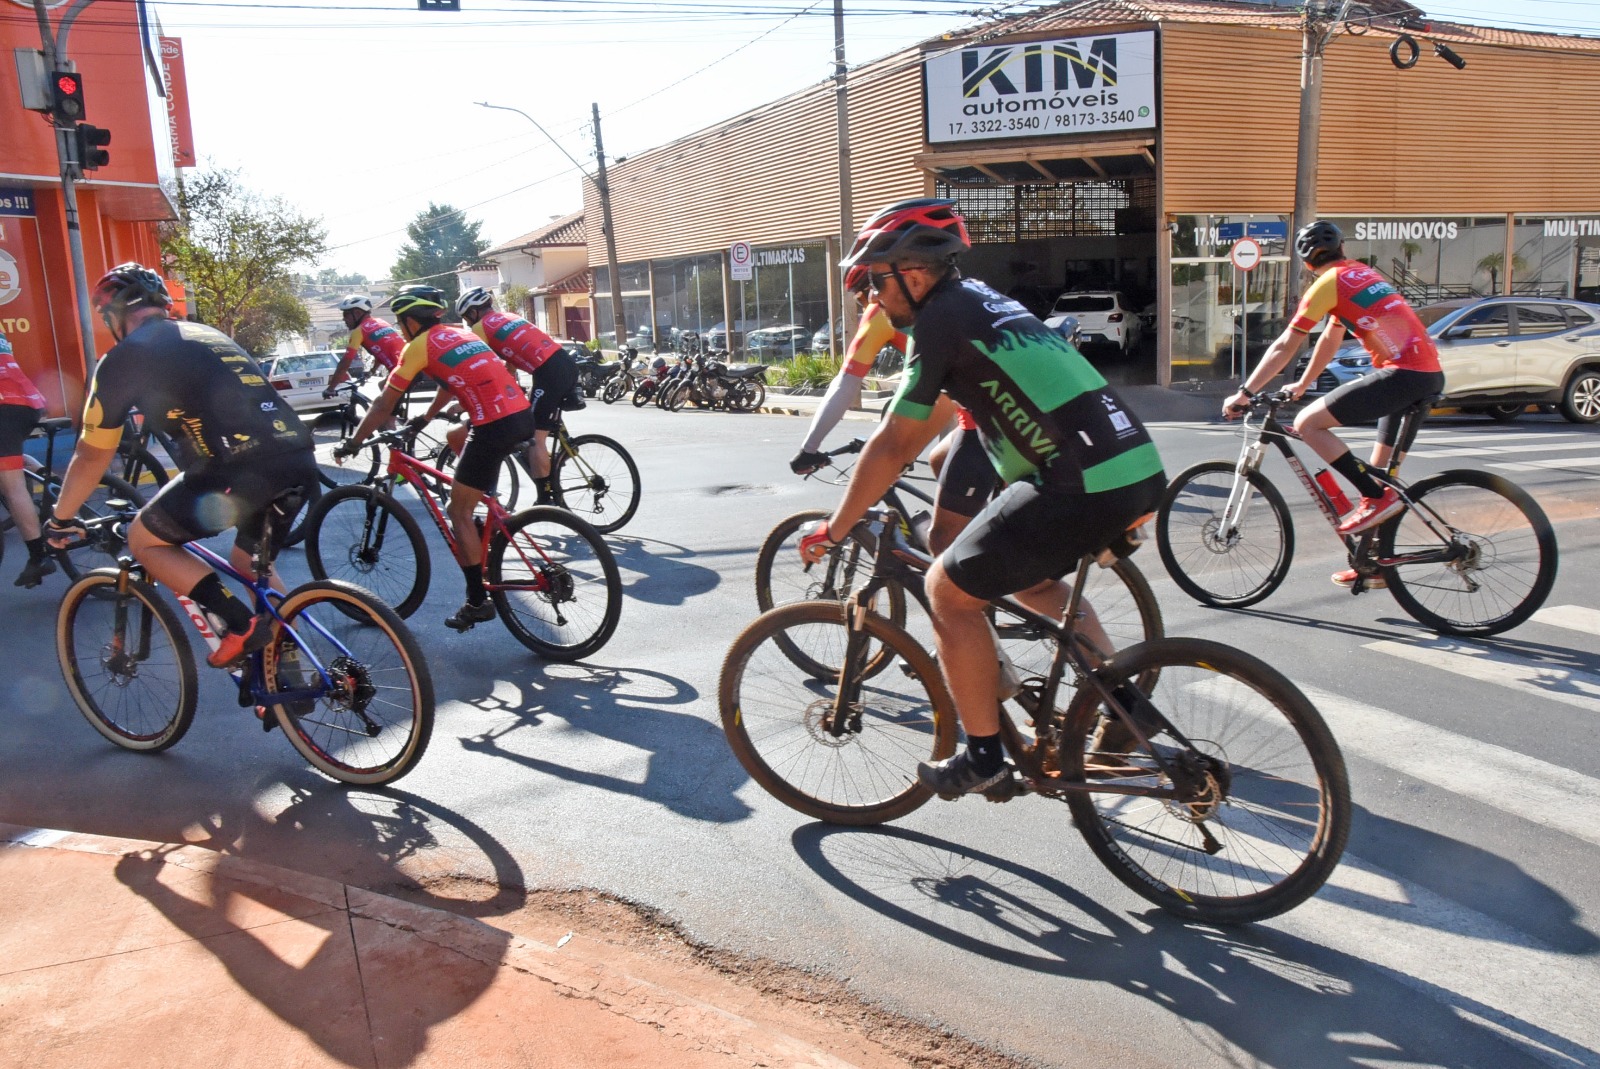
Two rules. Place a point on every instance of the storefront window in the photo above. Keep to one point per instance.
(784, 305)
(688, 297)
(635, 306)
(1432, 260)
(1222, 318)
(1557, 257)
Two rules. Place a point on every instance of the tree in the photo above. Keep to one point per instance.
(234, 248)
(440, 239)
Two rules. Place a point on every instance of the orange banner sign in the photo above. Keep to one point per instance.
(177, 102)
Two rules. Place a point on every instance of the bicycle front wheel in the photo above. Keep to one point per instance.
(112, 502)
(1501, 546)
(366, 716)
(1215, 561)
(555, 583)
(596, 480)
(780, 718)
(358, 534)
(126, 661)
(1259, 812)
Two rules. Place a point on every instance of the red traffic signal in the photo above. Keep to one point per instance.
(66, 98)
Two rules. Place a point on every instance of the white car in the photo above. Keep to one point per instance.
(302, 378)
(1104, 318)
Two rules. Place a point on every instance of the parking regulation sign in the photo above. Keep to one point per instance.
(741, 262)
(1246, 254)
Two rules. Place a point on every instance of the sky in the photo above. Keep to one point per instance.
(360, 112)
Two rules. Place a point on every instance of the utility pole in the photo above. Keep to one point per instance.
(611, 236)
(69, 196)
(841, 99)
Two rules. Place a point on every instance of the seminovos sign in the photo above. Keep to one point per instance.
(1081, 85)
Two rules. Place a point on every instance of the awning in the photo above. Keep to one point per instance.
(581, 281)
(1029, 164)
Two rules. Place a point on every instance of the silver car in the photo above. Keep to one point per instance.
(1501, 354)
(301, 379)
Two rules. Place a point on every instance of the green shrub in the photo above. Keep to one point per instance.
(806, 370)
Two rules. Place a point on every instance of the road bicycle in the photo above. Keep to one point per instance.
(1118, 591)
(1472, 554)
(105, 516)
(350, 689)
(551, 576)
(1226, 801)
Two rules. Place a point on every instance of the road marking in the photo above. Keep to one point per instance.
(1536, 791)
(1545, 465)
(1578, 689)
(1571, 617)
(1498, 450)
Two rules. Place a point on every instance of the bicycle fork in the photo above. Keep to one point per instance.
(1233, 513)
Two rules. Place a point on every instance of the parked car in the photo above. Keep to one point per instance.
(1105, 318)
(302, 378)
(1502, 354)
(716, 337)
(775, 343)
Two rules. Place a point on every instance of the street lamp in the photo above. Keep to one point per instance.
(605, 209)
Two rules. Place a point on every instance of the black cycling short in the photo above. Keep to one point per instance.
(488, 445)
(208, 500)
(1031, 533)
(556, 378)
(968, 478)
(16, 422)
(1382, 396)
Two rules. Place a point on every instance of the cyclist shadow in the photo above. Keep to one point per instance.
(660, 572)
(688, 768)
(1218, 978)
(335, 964)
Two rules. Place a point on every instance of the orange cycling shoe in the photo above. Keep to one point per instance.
(1371, 512)
(236, 645)
(1348, 577)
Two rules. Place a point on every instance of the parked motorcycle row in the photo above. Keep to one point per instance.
(702, 379)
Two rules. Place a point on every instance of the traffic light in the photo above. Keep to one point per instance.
(91, 146)
(66, 97)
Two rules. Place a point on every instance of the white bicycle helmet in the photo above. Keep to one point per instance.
(356, 300)
(476, 297)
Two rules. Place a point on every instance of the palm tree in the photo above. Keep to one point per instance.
(1495, 262)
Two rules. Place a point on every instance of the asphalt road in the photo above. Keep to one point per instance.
(1461, 930)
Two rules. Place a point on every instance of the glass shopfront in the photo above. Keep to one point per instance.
(688, 297)
(635, 279)
(1223, 318)
(784, 305)
(1557, 256)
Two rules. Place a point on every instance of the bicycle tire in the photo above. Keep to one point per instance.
(1280, 828)
(847, 566)
(88, 656)
(138, 462)
(508, 488)
(587, 474)
(375, 723)
(1223, 571)
(1505, 531)
(350, 538)
(297, 531)
(555, 583)
(783, 741)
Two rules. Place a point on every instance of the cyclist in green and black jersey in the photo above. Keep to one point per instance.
(1080, 467)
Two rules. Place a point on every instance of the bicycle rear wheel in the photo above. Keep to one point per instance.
(555, 583)
(360, 535)
(1232, 568)
(1268, 810)
(368, 716)
(596, 480)
(126, 661)
(779, 716)
(1505, 551)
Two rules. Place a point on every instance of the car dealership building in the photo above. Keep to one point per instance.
(1131, 145)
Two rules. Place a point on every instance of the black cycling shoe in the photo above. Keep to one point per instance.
(469, 616)
(955, 776)
(34, 571)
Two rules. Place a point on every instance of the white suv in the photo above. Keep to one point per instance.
(1104, 318)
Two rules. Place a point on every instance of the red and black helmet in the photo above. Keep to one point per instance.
(857, 279)
(927, 228)
(130, 285)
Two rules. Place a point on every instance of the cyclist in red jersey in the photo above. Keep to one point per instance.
(497, 409)
(367, 332)
(1359, 300)
(21, 405)
(526, 348)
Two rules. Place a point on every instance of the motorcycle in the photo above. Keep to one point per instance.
(650, 384)
(713, 384)
(593, 375)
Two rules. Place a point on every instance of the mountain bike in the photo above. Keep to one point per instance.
(350, 688)
(105, 516)
(1115, 587)
(1225, 801)
(551, 576)
(1472, 554)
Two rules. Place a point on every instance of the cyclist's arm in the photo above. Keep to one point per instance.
(1278, 354)
(340, 372)
(1321, 357)
(895, 443)
(843, 394)
(378, 415)
(97, 445)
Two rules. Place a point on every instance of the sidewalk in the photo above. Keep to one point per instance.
(134, 954)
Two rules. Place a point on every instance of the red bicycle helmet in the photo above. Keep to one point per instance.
(927, 228)
(857, 279)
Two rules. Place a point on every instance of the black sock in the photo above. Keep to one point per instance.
(1351, 467)
(35, 548)
(547, 490)
(476, 595)
(985, 753)
(214, 598)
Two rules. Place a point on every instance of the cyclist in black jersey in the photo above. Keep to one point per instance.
(1079, 467)
(239, 447)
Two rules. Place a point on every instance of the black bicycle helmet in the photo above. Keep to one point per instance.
(1319, 242)
(926, 228)
(419, 302)
(130, 285)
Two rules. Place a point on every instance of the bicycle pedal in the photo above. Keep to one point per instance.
(268, 721)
